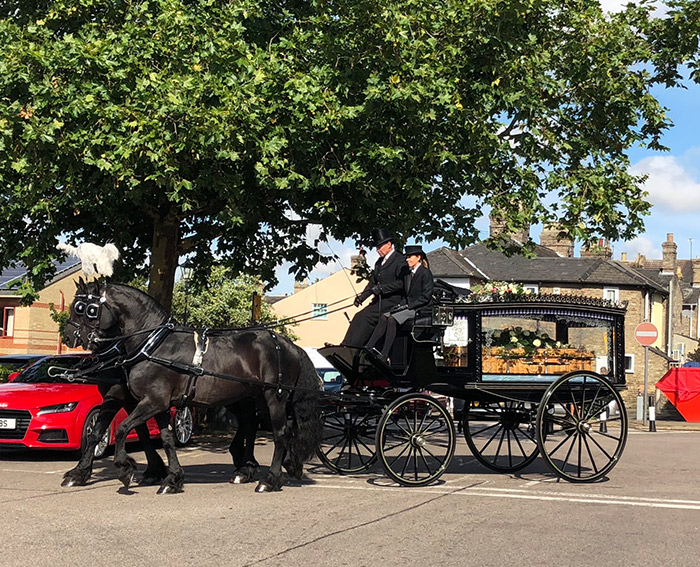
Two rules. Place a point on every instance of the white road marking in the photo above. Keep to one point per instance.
(34, 471)
(493, 492)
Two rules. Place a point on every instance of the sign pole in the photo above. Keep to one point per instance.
(646, 334)
(646, 384)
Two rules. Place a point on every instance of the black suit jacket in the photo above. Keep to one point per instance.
(388, 276)
(419, 288)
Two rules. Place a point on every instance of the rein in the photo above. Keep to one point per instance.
(145, 353)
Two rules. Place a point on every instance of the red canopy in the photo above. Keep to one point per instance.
(682, 388)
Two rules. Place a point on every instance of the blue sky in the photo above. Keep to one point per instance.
(673, 186)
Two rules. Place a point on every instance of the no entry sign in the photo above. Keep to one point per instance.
(646, 334)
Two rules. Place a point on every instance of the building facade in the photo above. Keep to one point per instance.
(30, 329)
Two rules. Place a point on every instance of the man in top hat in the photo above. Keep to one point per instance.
(418, 290)
(385, 286)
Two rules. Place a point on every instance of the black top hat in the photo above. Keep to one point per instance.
(414, 250)
(381, 236)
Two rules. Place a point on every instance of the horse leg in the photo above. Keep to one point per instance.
(125, 464)
(278, 418)
(173, 482)
(155, 470)
(79, 475)
(243, 444)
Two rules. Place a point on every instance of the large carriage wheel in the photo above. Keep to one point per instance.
(415, 440)
(581, 427)
(347, 445)
(501, 434)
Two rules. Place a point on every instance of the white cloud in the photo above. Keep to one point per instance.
(670, 184)
(640, 245)
(613, 5)
(619, 5)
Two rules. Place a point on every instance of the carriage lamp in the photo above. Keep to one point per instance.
(58, 408)
(443, 316)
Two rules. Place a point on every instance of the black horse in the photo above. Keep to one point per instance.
(168, 364)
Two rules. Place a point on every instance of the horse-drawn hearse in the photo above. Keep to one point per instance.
(536, 375)
(522, 375)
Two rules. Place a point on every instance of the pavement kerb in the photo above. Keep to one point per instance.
(662, 425)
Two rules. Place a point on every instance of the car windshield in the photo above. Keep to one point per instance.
(330, 375)
(39, 373)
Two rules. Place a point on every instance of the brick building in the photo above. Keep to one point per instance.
(30, 330)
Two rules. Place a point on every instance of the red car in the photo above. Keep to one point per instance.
(39, 411)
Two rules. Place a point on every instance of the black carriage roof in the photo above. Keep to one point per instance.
(579, 304)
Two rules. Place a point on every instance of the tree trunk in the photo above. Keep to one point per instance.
(164, 259)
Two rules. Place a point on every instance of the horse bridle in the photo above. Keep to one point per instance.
(89, 308)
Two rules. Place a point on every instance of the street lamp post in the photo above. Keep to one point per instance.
(186, 274)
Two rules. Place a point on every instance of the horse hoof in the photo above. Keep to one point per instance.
(238, 479)
(262, 487)
(69, 482)
(127, 480)
(169, 489)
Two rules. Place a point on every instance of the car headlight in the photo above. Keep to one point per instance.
(58, 408)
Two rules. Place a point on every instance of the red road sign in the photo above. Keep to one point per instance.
(646, 334)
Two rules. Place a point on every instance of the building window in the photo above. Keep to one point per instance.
(629, 363)
(611, 293)
(319, 311)
(8, 322)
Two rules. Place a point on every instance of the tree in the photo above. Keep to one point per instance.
(225, 129)
(224, 303)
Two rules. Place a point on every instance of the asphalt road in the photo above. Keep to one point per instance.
(646, 513)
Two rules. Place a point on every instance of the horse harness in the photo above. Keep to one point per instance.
(116, 356)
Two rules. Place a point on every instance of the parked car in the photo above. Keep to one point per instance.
(41, 411)
(12, 364)
(332, 379)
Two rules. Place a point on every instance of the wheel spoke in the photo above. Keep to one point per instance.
(590, 454)
(592, 407)
(602, 449)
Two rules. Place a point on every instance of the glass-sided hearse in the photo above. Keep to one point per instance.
(520, 374)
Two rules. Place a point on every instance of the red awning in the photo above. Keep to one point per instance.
(682, 388)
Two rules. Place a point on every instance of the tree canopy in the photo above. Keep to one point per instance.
(224, 129)
(224, 303)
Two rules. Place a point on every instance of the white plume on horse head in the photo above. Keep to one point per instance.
(97, 260)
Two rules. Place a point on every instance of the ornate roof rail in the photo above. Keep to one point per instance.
(567, 299)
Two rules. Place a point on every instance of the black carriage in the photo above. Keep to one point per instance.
(520, 375)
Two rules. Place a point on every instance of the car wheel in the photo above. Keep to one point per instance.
(89, 426)
(183, 423)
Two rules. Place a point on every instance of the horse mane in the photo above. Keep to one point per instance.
(138, 292)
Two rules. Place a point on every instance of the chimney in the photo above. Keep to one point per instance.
(696, 272)
(358, 259)
(549, 238)
(600, 250)
(300, 285)
(497, 226)
(640, 261)
(623, 257)
(668, 263)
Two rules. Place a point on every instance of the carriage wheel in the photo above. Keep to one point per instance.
(501, 435)
(347, 445)
(581, 427)
(415, 440)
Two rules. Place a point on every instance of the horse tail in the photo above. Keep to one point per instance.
(307, 425)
